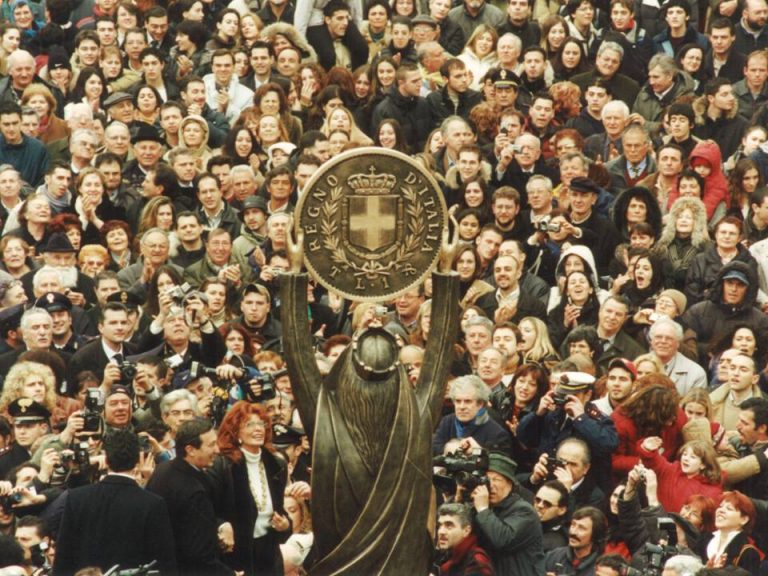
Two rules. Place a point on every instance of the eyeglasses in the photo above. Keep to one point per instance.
(543, 503)
(177, 413)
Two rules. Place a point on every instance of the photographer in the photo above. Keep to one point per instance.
(470, 421)
(571, 466)
(110, 349)
(566, 412)
(32, 535)
(506, 525)
(169, 334)
(460, 553)
(586, 538)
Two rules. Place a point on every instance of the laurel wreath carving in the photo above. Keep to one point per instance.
(371, 269)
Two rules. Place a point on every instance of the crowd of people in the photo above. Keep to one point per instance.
(604, 165)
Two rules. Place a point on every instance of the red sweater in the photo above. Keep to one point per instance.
(674, 486)
(626, 455)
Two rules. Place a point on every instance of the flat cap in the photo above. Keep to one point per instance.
(116, 98)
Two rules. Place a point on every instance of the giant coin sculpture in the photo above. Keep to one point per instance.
(370, 225)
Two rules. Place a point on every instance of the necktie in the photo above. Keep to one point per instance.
(118, 358)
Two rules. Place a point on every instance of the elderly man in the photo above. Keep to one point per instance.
(490, 367)
(607, 146)
(518, 162)
(666, 336)
(117, 139)
(219, 262)
(456, 133)
(607, 63)
(155, 247)
(82, 149)
(635, 163)
(665, 85)
(506, 525)
(176, 408)
(470, 423)
(37, 333)
(147, 150)
(27, 155)
(21, 73)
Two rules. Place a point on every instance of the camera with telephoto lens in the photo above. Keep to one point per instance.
(265, 379)
(546, 225)
(77, 456)
(467, 470)
(92, 411)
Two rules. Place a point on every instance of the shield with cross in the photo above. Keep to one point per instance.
(373, 222)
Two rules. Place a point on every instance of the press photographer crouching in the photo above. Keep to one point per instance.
(458, 551)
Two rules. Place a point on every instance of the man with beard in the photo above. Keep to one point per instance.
(750, 31)
(621, 379)
(509, 303)
(586, 538)
(59, 253)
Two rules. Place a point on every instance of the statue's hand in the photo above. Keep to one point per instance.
(449, 247)
(295, 250)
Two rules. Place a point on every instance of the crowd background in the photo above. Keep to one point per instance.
(604, 163)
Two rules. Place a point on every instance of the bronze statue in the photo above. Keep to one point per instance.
(371, 432)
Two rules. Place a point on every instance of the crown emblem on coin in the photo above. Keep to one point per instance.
(372, 183)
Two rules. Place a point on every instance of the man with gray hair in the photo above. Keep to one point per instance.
(607, 64)
(21, 73)
(155, 248)
(665, 85)
(636, 161)
(666, 336)
(606, 146)
(508, 50)
(456, 133)
(682, 565)
(37, 333)
(82, 149)
(177, 407)
(117, 139)
(470, 423)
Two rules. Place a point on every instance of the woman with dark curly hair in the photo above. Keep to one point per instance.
(651, 411)
(259, 477)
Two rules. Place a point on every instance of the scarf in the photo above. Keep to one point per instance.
(480, 418)
(58, 204)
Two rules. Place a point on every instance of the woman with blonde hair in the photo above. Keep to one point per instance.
(648, 364)
(193, 135)
(93, 259)
(684, 236)
(480, 53)
(37, 382)
(567, 97)
(342, 119)
(535, 343)
(158, 213)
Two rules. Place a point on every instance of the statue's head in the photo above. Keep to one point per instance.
(375, 354)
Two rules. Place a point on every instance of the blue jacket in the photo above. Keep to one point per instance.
(30, 158)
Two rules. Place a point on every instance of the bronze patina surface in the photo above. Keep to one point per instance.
(372, 221)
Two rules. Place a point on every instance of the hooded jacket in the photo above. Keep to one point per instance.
(202, 152)
(702, 279)
(711, 319)
(308, 54)
(583, 252)
(715, 185)
(653, 214)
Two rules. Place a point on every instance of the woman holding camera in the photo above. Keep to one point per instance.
(259, 477)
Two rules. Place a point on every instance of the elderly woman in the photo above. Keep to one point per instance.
(14, 256)
(41, 100)
(92, 259)
(37, 382)
(470, 397)
(12, 293)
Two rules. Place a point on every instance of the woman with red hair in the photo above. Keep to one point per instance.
(259, 476)
(730, 544)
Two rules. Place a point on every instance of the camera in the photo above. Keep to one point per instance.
(177, 293)
(552, 465)
(265, 379)
(546, 225)
(654, 316)
(92, 412)
(144, 444)
(559, 398)
(7, 502)
(198, 370)
(467, 470)
(128, 372)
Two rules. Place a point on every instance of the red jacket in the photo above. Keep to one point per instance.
(715, 185)
(468, 559)
(675, 487)
(626, 455)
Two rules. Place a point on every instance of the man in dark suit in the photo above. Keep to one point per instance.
(186, 490)
(115, 521)
(615, 342)
(108, 350)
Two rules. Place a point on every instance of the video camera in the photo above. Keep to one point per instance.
(656, 555)
(467, 470)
